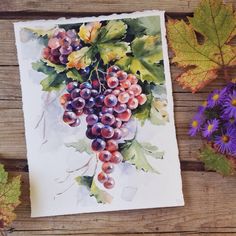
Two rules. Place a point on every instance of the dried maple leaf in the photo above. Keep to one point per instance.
(216, 22)
(9, 197)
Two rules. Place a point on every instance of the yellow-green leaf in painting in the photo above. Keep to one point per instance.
(147, 48)
(147, 72)
(80, 59)
(216, 22)
(115, 29)
(113, 51)
(89, 32)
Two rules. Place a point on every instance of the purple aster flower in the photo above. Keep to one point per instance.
(203, 107)
(230, 105)
(226, 142)
(216, 97)
(195, 125)
(210, 127)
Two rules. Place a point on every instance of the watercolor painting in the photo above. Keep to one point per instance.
(98, 111)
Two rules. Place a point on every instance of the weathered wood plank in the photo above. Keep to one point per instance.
(97, 6)
(210, 207)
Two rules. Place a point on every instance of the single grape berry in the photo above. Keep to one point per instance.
(69, 117)
(142, 98)
(91, 119)
(107, 91)
(109, 183)
(120, 107)
(75, 93)
(117, 134)
(121, 75)
(116, 157)
(85, 93)
(107, 131)
(116, 92)
(132, 78)
(65, 50)
(94, 92)
(99, 100)
(107, 167)
(88, 110)
(137, 89)
(104, 156)
(97, 128)
(85, 85)
(71, 86)
(95, 83)
(65, 98)
(76, 123)
(112, 82)
(102, 177)
(108, 119)
(117, 123)
(107, 110)
(89, 103)
(53, 43)
(79, 112)
(125, 84)
(68, 106)
(111, 145)
(125, 116)
(110, 100)
(98, 145)
(84, 71)
(133, 103)
(78, 103)
(123, 97)
(89, 134)
(113, 69)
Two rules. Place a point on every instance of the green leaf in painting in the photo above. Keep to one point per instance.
(74, 74)
(57, 68)
(113, 51)
(41, 32)
(81, 145)
(217, 162)
(158, 112)
(54, 81)
(89, 182)
(152, 150)
(124, 63)
(144, 25)
(147, 48)
(134, 153)
(148, 72)
(41, 66)
(114, 30)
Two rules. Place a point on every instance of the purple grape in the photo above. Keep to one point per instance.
(120, 107)
(94, 93)
(72, 85)
(107, 91)
(85, 93)
(110, 100)
(65, 50)
(108, 119)
(117, 123)
(89, 103)
(117, 134)
(99, 100)
(104, 156)
(85, 85)
(95, 83)
(63, 59)
(66, 41)
(75, 93)
(97, 128)
(107, 131)
(107, 110)
(76, 123)
(69, 117)
(89, 134)
(88, 111)
(68, 106)
(91, 119)
(78, 103)
(72, 34)
(55, 52)
(84, 71)
(98, 144)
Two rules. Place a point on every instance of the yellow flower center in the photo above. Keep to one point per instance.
(225, 138)
(195, 123)
(215, 97)
(233, 102)
(209, 127)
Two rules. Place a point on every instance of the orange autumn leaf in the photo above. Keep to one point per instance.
(89, 32)
(216, 22)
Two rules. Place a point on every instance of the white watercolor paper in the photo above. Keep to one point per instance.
(63, 168)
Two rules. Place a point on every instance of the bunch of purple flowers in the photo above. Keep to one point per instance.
(216, 120)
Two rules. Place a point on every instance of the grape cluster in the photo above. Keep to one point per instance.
(107, 104)
(60, 45)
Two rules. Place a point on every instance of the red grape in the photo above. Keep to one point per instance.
(107, 167)
(112, 145)
(116, 157)
(102, 177)
(104, 156)
(109, 183)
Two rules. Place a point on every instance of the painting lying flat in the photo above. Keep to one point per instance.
(98, 111)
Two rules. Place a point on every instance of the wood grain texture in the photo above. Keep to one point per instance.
(97, 6)
(209, 208)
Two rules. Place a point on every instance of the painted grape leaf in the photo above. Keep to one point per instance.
(74, 74)
(57, 68)
(41, 32)
(216, 22)
(54, 80)
(81, 145)
(9, 197)
(89, 32)
(114, 30)
(80, 59)
(216, 161)
(144, 25)
(154, 110)
(147, 53)
(113, 51)
(100, 195)
(134, 153)
(152, 150)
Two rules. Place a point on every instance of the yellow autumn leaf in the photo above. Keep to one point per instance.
(89, 32)
(79, 59)
(216, 22)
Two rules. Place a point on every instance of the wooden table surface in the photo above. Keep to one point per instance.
(210, 199)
